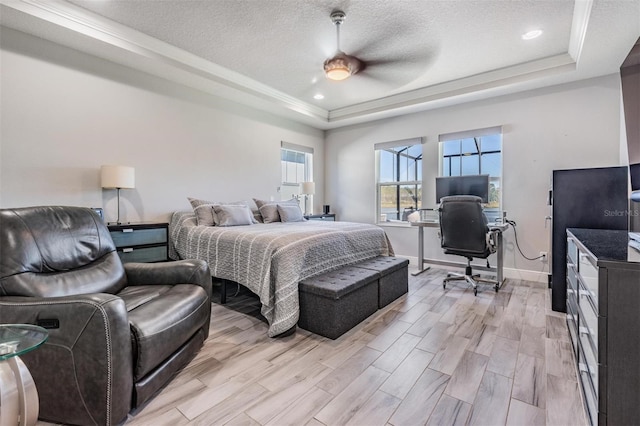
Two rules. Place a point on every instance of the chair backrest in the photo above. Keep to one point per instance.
(463, 226)
(57, 251)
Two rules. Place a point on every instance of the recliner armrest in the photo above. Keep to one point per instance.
(86, 363)
(192, 271)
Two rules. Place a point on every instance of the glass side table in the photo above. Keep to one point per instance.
(18, 395)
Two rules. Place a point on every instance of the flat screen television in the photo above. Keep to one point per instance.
(477, 185)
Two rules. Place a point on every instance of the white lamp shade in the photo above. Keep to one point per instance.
(308, 188)
(118, 177)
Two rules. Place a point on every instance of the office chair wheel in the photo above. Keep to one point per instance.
(475, 291)
(444, 285)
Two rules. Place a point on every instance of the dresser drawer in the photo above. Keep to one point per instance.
(589, 352)
(572, 251)
(134, 237)
(588, 391)
(588, 317)
(572, 325)
(145, 254)
(589, 275)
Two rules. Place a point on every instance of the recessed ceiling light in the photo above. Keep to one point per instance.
(318, 96)
(314, 80)
(531, 34)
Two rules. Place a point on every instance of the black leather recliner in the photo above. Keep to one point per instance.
(120, 331)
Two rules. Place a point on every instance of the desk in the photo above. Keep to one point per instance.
(18, 394)
(498, 228)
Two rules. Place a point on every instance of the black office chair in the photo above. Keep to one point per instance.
(464, 232)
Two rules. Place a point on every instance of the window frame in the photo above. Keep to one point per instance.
(494, 181)
(287, 187)
(416, 183)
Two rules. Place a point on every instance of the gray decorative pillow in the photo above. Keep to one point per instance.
(204, 211)
(290, 213)
(261, 203)
(269, 213)
(233, 215)
(206, 215)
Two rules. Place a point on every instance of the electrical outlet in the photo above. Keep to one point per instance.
(543, 256)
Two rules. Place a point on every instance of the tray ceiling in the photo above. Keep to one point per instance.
(269, 53)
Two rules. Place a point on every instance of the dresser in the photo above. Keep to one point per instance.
(603, 316)
(141, 242)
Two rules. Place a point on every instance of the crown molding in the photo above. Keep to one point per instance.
(118, 43)
(72, 18)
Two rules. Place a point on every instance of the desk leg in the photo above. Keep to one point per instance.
(500, 261)
(421, 267)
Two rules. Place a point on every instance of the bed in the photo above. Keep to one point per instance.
(271, 259)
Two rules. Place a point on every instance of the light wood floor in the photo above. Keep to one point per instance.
(434, 356)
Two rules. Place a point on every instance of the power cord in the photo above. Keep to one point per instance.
(515, 233)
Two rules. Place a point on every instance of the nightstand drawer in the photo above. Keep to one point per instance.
(145, 254)
(135, 237)
(141, 242)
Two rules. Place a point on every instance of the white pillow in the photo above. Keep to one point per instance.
(290, 213)
(233, 215)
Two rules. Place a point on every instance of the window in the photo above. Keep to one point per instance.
(296, 167)
(475, 152)
(399, 179)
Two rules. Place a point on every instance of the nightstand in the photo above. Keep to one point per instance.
(141, 242)
(322, 216)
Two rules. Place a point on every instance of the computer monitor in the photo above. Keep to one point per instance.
(477, 185)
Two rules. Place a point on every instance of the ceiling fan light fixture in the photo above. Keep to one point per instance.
(337, 68)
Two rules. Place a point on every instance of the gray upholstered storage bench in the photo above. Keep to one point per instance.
(394, 277)
(336, 301)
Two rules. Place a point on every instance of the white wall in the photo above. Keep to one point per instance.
(65, 113)
(570, 126)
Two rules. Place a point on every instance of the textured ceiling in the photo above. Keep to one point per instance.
(417, 51)
(408, 43)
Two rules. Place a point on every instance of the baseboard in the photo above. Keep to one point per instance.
(515, 274)
(521, 274)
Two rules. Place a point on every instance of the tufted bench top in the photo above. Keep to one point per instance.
(384, 264)
(338, 283)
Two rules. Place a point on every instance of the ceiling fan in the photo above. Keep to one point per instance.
(341, 65)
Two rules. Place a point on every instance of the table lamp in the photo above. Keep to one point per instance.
(117, 177)
(307, 188)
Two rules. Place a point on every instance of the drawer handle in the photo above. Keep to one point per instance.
(127, 230)
(127, 250)
(585, 330)
(586, 293)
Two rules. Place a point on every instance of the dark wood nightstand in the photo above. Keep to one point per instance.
(322, 216)
(141, 242)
